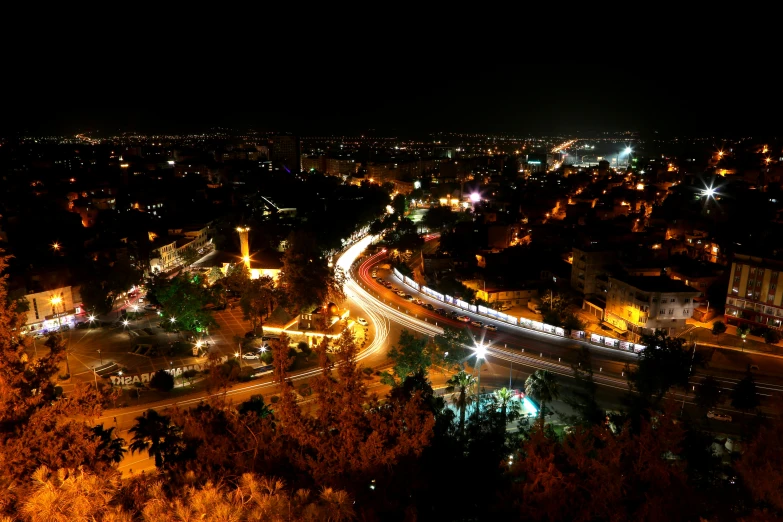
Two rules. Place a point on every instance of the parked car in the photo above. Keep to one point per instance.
(441, 311)
(428, 306)
(150, 307)
(463, 318)
(418, 302)
(407, 296)
(712, 414)
(491, 327)
(251, 355)
(362, 321)
(477, 324)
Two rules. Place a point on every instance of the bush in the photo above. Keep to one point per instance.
(275, 399)
(742, 330)
(772, 336)
(246, 373)
(367, 371)
(304, 348)
(162, 381)
(230, 369)
(267, 357)
(292, 352)
(759, 331)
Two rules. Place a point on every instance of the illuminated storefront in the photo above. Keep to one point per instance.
(50, 310)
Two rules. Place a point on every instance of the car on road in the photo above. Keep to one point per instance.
(150, 307)
(418, 302)
(463, 318)
(251, 355)
(753, 367)
(477, 324)
(428, 306)
(441, 311)
(400, 293)
(374, 273)
(712, 414)
(407, 296)
(491, 327)
(362, 321)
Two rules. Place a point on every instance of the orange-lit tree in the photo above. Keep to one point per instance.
(350, 436)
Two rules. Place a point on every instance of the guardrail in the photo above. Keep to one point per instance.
(521, 322)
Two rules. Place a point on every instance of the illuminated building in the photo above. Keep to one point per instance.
(49, 310)
(754, 295)
(641, 305)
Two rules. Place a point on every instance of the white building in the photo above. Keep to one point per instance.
(50, 310)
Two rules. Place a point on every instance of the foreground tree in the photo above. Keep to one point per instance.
(410, 355)
(38, 425)
(157, 435)
(744, 396)
(350, 436)
(461, 385)
(641, 478)
(542, 386)
(708, 393)
(68, 495)
(663, 364)
(582, 396)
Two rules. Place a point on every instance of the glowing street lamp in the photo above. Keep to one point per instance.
(173, 320)
(480, 350)
(125, 322)
(91, 318)
(475, 197)
(55, 246)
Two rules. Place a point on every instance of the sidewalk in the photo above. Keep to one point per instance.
(730, 340)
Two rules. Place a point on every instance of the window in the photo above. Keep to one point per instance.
(673, 300)
(671, 311)
(686, 312)
(654, 299)
(687, 300)
(662, 311)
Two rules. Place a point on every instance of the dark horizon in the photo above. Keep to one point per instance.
(564, 106)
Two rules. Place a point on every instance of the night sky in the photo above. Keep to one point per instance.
(458, 101)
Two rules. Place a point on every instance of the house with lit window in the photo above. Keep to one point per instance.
(638, 306)
(754, 295)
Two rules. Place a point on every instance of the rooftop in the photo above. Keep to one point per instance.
(656, 284)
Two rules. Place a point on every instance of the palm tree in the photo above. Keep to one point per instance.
(112, 447)
(543, 387)
(155, 434)
(505, 398)
(461, 382)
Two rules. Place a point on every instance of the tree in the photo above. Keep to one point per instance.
(400, 204)
(257, 300)
(306, 278)
(38, 425)
(761, 466)
(663, 364)
(256, 405)
(572, 322)
(184, 299)
(506, 400)
(462, 384)
(772, 336)
(743, 330)
(157, 435)
(162, 381)
(96, 298)
(582, 396)
(744, 395)
(438, 218)
(188, 256)
(718, 327)
(708, 393)
(237, 278)
(542, 386)
(410, 355)
(452, 347)
(350, 435)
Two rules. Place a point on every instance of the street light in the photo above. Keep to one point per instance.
(481, 353)
(125, 322)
